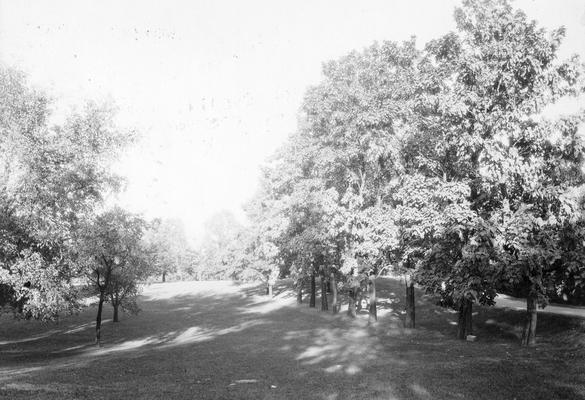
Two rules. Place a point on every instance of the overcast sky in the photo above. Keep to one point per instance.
(213, 86)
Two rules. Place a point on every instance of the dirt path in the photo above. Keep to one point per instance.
(505, 301)
(224, 341)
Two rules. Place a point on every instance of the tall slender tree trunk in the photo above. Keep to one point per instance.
(300, 291)
(410, 319)
(98, 320)
(333, 285)
(116, 307)
(164, 276)
(269, 289)
(373, 310)
(312, 298)
(324, 304)
(351, 311)
(359, 296)
(464, 324)
(529, 336)
(115, 301)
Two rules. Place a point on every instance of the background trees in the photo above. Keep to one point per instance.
(167, 243)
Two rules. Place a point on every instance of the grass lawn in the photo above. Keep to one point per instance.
(215, 340)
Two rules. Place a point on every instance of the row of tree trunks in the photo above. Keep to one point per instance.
(331, 284)
(465, 317)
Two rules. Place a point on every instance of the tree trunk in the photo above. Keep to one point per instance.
(464, 324)
(116, 306)
(529, 336)
(410, 306)
(300, 292)
(312, 298)
(164, 276)
(324, 304)
(373, 311)
(351, 311)
(269, 289)
(333, 285)
(98, 320)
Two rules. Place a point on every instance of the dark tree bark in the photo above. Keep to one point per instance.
(359, 296)
(351, 311)
(102, 288)
(98, 320)
(410, 319)
(333, 285)
(300, 292)
(373, 310)
(164, 276)
(312, 298)
(115, 301)
(529, 335)
(464, 324)
(116, 307)
(324, 304)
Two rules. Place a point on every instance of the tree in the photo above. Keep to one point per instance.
(483, 127)
(167, 243)
(111, 252)
(51, 178)
(355, 120)
(223, 249)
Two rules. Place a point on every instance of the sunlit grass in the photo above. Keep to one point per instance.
(226, 340)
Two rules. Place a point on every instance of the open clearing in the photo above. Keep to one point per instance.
(219, 340)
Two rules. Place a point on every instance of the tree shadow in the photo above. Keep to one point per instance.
(225, 340)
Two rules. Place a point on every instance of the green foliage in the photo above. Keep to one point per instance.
(51, 179)
(438, 163)
(111, 252)
(167, 245)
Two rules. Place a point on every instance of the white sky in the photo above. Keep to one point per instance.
(213, 86)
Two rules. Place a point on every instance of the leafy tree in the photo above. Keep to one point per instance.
(168, 245)
(356, 118)
(51, 178)
(484, 128)
(111, 252)
(223, 248)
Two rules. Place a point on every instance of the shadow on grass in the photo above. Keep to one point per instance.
(225, 340)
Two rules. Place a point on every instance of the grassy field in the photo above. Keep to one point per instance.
(226, 341)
